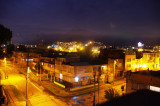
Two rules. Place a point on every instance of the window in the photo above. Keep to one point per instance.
(70, 69)
(129, 60)
(154, 88)
(128, 65)
(61, 76)
(76, 79)
(86, 77)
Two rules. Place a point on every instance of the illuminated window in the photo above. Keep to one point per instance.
(86, 77)
(154, 88)
(76, 79)
(61, 76)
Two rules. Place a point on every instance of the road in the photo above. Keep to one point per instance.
(36, 94)
(87, 99)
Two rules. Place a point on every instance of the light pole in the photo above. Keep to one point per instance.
(114, 70)
(94, 71)
(99, 74)
(51, 73)
(5, 62)
(41, 70)
(27, 78)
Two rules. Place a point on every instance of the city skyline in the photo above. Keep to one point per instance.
(114, 22)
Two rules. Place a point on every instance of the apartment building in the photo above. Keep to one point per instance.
(143, 80)
(148, 61)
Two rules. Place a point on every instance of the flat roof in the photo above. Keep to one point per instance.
(139, 98)
(152, 73)
(79, 64)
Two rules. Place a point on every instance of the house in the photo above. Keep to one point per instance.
(138, 98)
(143, 80)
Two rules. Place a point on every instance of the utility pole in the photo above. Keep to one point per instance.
(27, 78)
(114, 69)
(94, 88)
(51, 75)
(54, 70)
(99, 81)
(41, 70)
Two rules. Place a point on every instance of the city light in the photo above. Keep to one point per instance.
(5, 60)
(140, 50)
(140, 44)
(104, 67)
(95, 51)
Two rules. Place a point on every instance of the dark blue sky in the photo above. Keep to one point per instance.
(51, 20)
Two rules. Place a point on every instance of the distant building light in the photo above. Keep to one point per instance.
(104, 67)
(86, 44)
(48, 47)
(140, 44)
(76, 79)
(3, 45)
(140, 50)
(29, 59)
(60, 53)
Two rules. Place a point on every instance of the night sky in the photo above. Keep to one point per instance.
(110, 21)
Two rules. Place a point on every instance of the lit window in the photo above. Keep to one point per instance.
(86, 78)
(76, 79)
(154, 88)
(61, 76)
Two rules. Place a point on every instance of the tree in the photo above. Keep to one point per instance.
(111, 94)
(5, 34)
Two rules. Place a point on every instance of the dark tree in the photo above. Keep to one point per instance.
(5, 34)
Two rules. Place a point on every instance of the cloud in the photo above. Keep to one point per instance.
(112, 26)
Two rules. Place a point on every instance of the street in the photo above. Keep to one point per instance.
(36, 95)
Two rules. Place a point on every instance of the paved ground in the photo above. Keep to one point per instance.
(36, 94)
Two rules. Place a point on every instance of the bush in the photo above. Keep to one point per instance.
(111, 94)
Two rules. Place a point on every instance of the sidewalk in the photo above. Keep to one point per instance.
(59, 91)
(15, 98)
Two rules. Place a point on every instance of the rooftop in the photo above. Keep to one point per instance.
(152, 73)
(79, 64)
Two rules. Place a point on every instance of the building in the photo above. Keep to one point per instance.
(115, 68)
(137, 61)
(139, 98)
(71, 72)
(143, 80)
